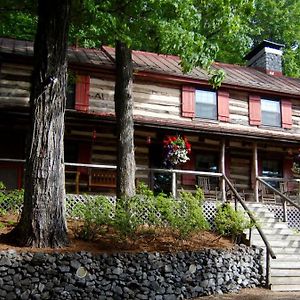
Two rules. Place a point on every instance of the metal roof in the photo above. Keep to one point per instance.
(168, 65)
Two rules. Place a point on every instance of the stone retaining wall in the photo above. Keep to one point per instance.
(159, 276)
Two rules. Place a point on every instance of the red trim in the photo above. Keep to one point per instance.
(286, 113)
(188, 101)
(223, 105)
(84, 156)
(82, 92)
(254, 110)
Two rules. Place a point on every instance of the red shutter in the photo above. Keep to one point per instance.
(82, 92)
(189, 165)
(286, 113)
(188, 101)
(223, 105)
(254, 110)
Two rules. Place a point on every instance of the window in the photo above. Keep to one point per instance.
(206, 104)
(207, 162)
(272, 168)
(70, 103)
(270, 113)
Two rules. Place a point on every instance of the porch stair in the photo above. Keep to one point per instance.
(285, 242)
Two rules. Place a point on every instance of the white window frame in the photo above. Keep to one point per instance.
(209, 99)
(272, 107)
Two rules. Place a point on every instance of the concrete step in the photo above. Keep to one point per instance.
(279, 243)
(276, 237)
(278, 264)
(285, 287)
(274, 224)
(284, 272)
(288, 257)
(289, 280)
(276, 231)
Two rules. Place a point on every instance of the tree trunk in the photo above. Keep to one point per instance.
(125, 126)
(43, 222)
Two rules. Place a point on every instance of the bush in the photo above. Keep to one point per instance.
(96, 215)
(184, 215)
(10, 201)
(230, 222)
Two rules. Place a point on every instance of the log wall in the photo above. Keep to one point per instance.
(14, 85)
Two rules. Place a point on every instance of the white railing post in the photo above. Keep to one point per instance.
(255, 172)
(223, 170)
(174, 184)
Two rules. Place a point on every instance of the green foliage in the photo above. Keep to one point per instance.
(230, 222)
(96, 215)
(10, 201)
(184, 215)
(278, 21)
(189, 217)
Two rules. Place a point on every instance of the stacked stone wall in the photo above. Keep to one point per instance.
(159, 276)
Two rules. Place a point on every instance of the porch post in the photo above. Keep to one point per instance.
(255, 172)
(174, 185)
(223, 168)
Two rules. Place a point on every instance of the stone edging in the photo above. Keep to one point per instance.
(159, 276)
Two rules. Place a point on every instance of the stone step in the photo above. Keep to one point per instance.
(285, 287)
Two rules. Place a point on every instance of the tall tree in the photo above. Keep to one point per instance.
(191, 29)
(42, 222)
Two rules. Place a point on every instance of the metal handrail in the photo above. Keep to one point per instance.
(260, 179)
(283, 197)
(269, 250)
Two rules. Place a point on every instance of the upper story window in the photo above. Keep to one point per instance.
(206, 105)
(270, 113)
(263, 111)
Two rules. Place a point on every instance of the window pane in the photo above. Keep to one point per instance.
(271, 114)
(272, 168)
(206, 104)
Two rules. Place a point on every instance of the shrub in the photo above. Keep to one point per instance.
(96, 215)
(184, 215)
(10, 201)
(190, 217)
(230, 222)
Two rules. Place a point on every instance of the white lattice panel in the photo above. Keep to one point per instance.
(293, 214)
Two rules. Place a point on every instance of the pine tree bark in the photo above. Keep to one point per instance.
(42, 222)
(125, 126)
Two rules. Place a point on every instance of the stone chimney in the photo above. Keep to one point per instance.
(266, 57)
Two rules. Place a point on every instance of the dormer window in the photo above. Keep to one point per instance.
(206, 104)
(270, 113)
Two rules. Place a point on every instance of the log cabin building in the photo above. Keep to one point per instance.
(250, 126)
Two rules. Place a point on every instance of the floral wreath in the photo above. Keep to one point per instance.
(177, 149)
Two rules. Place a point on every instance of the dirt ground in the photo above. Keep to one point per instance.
(147, 240)
(255, 294)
